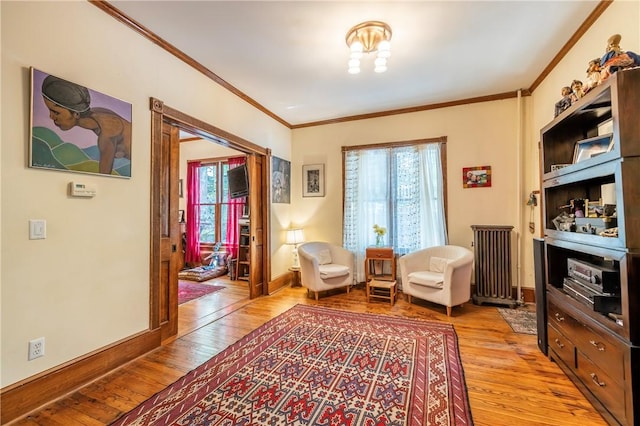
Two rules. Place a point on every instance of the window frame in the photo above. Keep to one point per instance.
(220, 163)
(443, 161)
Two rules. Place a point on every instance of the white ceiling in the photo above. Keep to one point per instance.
(291, 56)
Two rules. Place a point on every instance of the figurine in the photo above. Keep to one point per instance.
(593, 75)
(576, 90)
(565, 102)
(615, 59)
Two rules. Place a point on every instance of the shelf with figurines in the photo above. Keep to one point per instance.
(588, 126)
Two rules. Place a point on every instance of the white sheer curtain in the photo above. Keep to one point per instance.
(399, 188)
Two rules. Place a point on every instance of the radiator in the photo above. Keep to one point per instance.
(493, 265)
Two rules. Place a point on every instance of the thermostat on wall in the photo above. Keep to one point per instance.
(77, 189)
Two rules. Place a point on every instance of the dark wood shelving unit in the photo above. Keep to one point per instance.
(243, 264)
(596, 347)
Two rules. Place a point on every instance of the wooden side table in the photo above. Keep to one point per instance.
(376, 257)
(385, 290)
(295, 277)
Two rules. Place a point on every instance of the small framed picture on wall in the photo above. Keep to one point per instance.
(476, 177)
(313, 180)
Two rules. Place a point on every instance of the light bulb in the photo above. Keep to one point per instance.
(356, 50)
(354, 66)
(384, 49)
(381, 65)
(380, 62)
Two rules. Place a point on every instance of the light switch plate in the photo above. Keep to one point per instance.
(37, 229)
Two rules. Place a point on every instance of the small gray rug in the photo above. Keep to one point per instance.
(521, 320)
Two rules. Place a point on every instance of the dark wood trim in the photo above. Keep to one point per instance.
(528, 294)
(488, 98)
(157, 108)
(22, 397)
(591, 19)
(440, 139)
(266, 214)
(145, 32)
(280, 282)
(190, 139)
(205, 130)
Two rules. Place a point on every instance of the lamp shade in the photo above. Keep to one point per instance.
(295, 236)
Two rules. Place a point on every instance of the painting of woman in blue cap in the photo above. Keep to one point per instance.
(69, 106)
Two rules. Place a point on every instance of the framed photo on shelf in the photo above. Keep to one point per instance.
(313, 180)
(476, 177)
(592, 147)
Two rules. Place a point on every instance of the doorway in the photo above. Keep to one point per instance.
(212, 164)
(165, 229)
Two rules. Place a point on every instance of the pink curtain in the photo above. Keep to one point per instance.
(236, 205)
(192, 251)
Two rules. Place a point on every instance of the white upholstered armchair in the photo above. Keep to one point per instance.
(440, 274)
(324, 266)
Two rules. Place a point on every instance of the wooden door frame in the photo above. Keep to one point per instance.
(161, 113)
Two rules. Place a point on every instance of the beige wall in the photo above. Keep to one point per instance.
(477, 135)
(87, 284)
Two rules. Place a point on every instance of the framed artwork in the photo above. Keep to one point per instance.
(592, 147)
(313, 180)
(180, 193)
(77, 129)
(280, 180)
(476, 177)
(181, 216)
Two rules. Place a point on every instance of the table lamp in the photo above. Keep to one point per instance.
(295, 237)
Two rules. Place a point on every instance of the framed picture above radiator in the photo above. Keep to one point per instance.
(476, 177)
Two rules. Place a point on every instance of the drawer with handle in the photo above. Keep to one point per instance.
(599, 346)
(601, 349)
(562, 347)
(610, 393)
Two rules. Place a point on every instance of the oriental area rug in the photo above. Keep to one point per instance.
(320, 366)
(521, 320)
(188, 291)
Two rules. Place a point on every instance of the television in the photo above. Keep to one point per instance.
(238, 179)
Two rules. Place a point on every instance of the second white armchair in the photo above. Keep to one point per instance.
(440, 274)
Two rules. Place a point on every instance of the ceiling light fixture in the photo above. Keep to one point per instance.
(368, 37)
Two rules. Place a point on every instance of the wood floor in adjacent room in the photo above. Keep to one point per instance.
(509, 381)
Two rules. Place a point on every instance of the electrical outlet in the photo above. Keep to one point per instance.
(36, 348)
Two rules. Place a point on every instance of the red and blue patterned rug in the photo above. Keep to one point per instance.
(321, 366)
(188, 291)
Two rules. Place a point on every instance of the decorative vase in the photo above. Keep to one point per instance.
(379, 241)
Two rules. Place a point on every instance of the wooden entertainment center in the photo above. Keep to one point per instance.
(590, 168)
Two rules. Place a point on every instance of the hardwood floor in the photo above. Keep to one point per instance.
(509, 380)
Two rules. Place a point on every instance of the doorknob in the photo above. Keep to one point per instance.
(174, 248)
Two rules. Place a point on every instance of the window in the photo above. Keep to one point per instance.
(213, 201)
(397, 186)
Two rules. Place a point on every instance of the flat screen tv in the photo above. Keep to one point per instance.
(238, 181)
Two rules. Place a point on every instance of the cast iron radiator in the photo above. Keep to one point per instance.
(493, 265)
